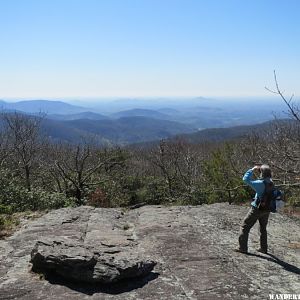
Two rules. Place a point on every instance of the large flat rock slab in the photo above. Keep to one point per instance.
(193, 248)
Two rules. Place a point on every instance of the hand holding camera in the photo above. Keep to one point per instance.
(256, 168)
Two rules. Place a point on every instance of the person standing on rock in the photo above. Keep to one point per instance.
(255, 212)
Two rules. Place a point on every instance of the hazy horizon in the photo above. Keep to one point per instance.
(144, 98)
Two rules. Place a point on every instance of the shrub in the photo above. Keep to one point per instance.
(98, 198)
(16, 198)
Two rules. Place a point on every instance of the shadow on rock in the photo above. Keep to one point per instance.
(272, 258)
(122, 286)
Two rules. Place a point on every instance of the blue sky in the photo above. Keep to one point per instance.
(147, 48)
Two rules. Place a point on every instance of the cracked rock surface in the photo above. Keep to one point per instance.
(193, 248)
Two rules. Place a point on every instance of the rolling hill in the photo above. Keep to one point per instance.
(83, 115)
(121, 131)
(224, 134)
(44, 106)
(149, 113)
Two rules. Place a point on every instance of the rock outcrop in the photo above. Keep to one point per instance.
(193, 248)
(81, 263)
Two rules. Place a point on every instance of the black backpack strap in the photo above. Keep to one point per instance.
(265, 201)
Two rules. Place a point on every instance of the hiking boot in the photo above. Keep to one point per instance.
(240, 251)
(262, 251)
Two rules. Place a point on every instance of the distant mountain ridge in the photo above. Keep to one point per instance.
(83, 115)
(44, 106)
(199, 112)
(157, 120)
(122, 131)
(67, 122)
(138, 112)
(223, 134)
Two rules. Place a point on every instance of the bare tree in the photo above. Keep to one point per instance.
(180, 165)
(24, 138)
(293, 109)
(4, 148)
(77, 166)
(285, 146)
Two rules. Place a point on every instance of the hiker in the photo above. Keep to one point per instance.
(256, 212)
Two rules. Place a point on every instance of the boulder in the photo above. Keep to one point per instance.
(81, 263)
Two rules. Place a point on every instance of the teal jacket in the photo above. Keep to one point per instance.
(258, 185)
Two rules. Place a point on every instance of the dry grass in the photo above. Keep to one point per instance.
(292, 211)
(11, 223)
(294, 245)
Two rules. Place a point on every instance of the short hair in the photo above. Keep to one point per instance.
(265, 171)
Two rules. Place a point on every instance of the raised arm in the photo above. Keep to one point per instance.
(248, 179)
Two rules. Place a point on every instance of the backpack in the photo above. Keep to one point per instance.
(270, 198)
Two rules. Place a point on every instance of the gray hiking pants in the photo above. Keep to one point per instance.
(253, 215)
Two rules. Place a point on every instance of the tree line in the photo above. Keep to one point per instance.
(37, 174)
